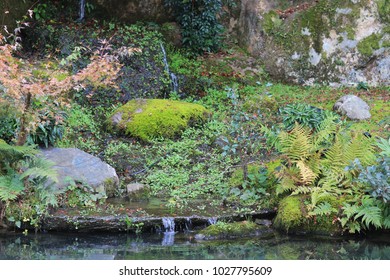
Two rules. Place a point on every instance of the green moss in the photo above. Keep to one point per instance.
(237, 178)
(384, 10)
(262, 103)
(154, 118)
(292, 217)
(271, 22)
(368, 45)
(222, 229)
(290, 214)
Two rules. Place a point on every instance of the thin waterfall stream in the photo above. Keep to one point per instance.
(81, 10)
(172, 76)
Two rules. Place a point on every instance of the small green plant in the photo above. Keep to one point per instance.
(305, 115)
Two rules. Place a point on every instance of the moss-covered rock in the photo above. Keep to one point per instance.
(231, 230)
(368, 45)
(293, 217)
(153, 118)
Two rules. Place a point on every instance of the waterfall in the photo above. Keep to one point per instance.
(188, 224)
(169, 224)
(172, 76)
(212, 220)
(169, 234)
(82, 10)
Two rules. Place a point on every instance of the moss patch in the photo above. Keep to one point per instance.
(154, 118)
(222, 229)
(368, 45)
(292, 217)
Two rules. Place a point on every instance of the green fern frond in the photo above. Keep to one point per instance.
(11, 186)
(326, 132)
(371, 215)
(302, 190)
(362, 148)
(386, 222)
(296, 144)
(323, 208)
(285, 185)
(41, 169)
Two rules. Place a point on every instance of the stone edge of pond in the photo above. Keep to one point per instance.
(125, 223)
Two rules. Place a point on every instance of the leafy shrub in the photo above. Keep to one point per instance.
(303, 114)
(8, 122)
(49, 127)
(22, 173)
(201, 30)
(376, 177)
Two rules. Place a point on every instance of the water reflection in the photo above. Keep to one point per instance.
(171, 245)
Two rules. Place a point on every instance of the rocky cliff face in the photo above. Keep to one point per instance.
(331, 41)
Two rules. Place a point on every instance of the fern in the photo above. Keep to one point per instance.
(307, 176)
(11, 186)
(296, 144)
(323, 209)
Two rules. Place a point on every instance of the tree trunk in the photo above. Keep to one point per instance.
(22, 137)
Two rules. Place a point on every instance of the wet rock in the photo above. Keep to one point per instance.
(353, 107)
(74, 164)
(263, 222)
(134, 187)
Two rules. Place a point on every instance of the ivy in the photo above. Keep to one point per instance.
(201, 30)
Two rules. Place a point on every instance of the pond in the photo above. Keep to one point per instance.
(183, 246)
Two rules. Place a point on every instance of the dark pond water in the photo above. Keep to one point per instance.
(183, 246)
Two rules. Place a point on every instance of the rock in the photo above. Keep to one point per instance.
(155, 118)
(319, 41)
(353, 107)
(74, 164)
(134, 187)
(263, 222)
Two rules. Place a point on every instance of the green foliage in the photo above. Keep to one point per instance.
(201, 30)
(188, 168)
(22, 173)
(376, 177)
(50, 127)
(384, 10)
(154, 118)
(257, 189)
(303, 114)
(81, 196)
(82, 130)
(8, 122)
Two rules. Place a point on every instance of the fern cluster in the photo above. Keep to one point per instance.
(315, 164)
(22, 171)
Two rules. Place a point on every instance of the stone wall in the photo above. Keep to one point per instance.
(331, 41)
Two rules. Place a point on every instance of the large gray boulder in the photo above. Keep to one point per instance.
(353, 107)
(74, 164)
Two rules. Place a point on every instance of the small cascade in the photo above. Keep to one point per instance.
(82, 10)
(212, 220)
(188, 224)
(169, 234)
(169, 224)
(172, 76)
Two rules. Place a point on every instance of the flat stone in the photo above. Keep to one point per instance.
(353, 107)
(74, 164)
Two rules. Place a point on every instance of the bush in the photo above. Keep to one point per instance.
(201, 30)
(303, 114)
